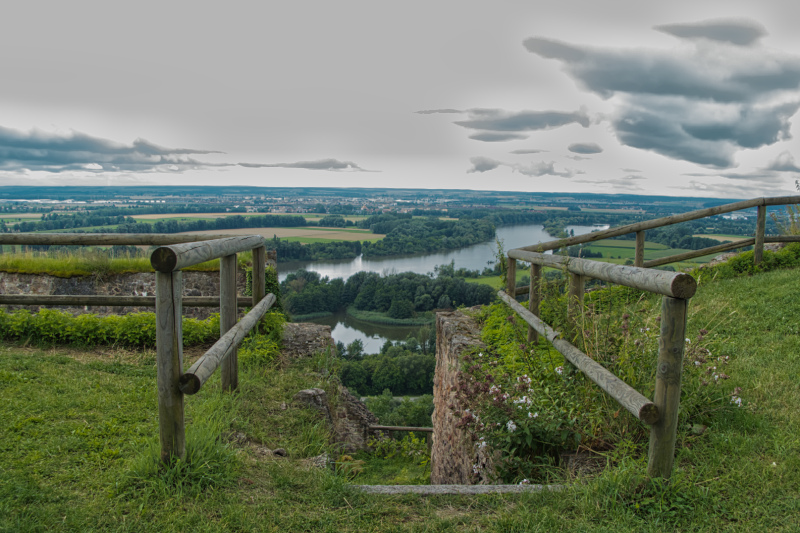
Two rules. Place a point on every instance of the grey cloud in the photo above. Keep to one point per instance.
(494, 136)
(699, 104)
(501, 120)
(437, 111)
(651, 131)
(738, 32)
(721, 77)
(319, 164)
(585, 148)
(784, 163)
(526, 151)
(485, 164)
(730, 190)
(543, 169)
(499, 125)
(577, 157)
(76, 151)
(749, 128)
(632, 170)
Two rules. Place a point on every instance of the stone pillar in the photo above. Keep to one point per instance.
(453, 454)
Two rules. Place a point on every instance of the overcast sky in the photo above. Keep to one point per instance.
(683, 98)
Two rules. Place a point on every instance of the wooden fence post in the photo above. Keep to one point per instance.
(227, 317)
(761, 226)
(169, 349)
(511, 280)
(575, 304)
(668, 386)
(258, 282)
(534, 297)
(639, 254)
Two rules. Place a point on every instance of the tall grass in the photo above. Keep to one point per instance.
(93, 262)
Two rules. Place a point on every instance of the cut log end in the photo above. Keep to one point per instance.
(648, 414)
(163, 259)
(684, 286)
(189, 383)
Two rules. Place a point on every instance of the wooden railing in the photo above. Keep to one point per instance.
(176, 252)
(640, 228)
(661, 414)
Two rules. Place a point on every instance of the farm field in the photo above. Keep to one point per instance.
(721, 238)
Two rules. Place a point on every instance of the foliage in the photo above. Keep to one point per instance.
(406, 235)
(742, 264)
(393, 411)
(137, 330)
(527, 401)
(271, 285)
(263, 345)
(399, 296)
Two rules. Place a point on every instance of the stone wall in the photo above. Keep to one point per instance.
(139, 284)
(454, 456)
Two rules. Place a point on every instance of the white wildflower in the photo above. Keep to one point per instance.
(559, 370)
(512, 427)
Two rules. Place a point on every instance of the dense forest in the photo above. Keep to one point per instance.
(397, 295)
(404, 368)
(407, 235)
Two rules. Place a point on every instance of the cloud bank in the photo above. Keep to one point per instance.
(75, 151)
(719, 93)
(319, 164)
(499, 125)
(542, 168)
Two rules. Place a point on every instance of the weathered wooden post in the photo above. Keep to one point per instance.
(511, 279)
(761, 225)
(227, 317)
(169, 341)
(639, 254)
(534, 297)
(258, 282)
(575, 304)
(668, 386)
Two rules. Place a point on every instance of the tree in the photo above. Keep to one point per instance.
(401, 309)
(355, 350)
(444, 302)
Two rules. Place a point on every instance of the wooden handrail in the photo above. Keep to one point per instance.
(660, 222)
(179, 256)
(193, 379)
(105, 239)
(111, 301)
(627, 396)
(674, 284)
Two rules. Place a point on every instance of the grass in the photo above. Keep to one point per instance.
(376, 317)
(76, 447)
(93, 263)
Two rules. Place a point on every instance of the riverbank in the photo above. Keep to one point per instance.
(422, 319)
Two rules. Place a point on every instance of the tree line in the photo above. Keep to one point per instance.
(397, 295)
(406, 235)
(404, 368)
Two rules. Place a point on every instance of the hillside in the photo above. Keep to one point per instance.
(79, 433)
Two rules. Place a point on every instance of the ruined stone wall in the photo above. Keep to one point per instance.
(454, 456)
(139, 284)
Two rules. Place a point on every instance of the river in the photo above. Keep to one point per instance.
(347, 329)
